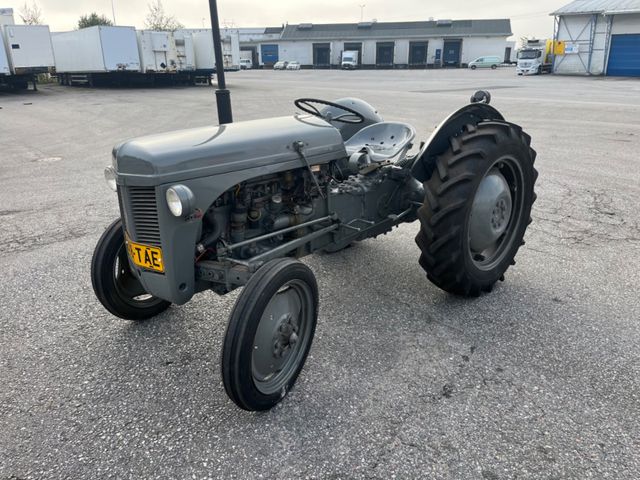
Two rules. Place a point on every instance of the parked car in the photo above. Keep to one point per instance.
(246, 64)
(293, 66)
(486, 62)
(281, 65)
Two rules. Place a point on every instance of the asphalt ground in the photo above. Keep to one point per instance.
(538, 380)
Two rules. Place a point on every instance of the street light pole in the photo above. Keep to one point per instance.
(223, 97)
(362, 11)
(113, 12)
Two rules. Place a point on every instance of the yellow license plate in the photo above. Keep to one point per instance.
(145, 256)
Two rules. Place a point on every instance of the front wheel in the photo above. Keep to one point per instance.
(477, 207)
(269, 334)
(115, 284)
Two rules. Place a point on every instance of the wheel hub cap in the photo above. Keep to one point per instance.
(285, 337)
(280, 338)
(490, 212)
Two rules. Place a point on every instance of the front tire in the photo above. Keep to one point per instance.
(269, 334)
(115, 285)
(477, 207)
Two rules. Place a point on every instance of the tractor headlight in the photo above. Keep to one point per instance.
(181, 201)
(110, 177)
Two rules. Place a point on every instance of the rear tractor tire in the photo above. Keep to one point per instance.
(477, 207)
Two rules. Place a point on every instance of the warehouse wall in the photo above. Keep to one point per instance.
(401, 53)
(577, 27)
(625, 24)
(472, 48)
(300, 51)
(476, 47)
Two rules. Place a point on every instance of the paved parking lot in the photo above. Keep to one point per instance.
(540, 379)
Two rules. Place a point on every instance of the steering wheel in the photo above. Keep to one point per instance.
(306, 105)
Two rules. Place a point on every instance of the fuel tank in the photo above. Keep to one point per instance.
(216, 150)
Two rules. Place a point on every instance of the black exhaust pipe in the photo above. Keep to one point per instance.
(223, 96)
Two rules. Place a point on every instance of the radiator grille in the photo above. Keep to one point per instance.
(144, 215)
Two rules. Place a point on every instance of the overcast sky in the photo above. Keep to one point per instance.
(528, 18)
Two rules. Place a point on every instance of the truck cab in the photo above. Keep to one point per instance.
(349, 60)
(535, 58)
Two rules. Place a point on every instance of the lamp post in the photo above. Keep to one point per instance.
(223, 96)
(113, 12)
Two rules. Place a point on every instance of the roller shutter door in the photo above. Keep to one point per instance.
(624, 56)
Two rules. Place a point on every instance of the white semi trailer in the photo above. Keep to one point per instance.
(186, 51)
(4, 61)
(203, 46)
(166, 58)
(158, 52)
(99, 54)
(28, 51)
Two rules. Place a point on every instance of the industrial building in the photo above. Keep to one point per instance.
(428, 44)
(600, 37)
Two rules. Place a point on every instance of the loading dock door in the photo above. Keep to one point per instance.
(418, 54)
(507, 55)
(269, 55)
(321, 55)
(354, 47)
(254, 55)
(451, 54)
(384, 54)
(624, 56)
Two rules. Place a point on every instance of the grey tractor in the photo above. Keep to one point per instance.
(236, 205)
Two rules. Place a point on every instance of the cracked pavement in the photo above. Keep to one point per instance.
(538, 380)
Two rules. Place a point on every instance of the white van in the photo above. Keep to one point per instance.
(246, 64)
(491, 62)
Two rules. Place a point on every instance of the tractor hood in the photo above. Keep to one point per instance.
(206, 151)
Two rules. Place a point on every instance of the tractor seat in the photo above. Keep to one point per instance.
(382, 141)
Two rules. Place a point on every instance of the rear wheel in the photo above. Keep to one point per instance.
(477, 207)
(269, 334)
(115, 284)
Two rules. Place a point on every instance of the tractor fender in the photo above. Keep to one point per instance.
(474, 113)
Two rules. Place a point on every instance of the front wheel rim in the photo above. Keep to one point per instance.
(127, 286)
(496, 214)
(282, 337)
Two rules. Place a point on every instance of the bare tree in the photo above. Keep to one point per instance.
(31, 15)
(157, 19)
